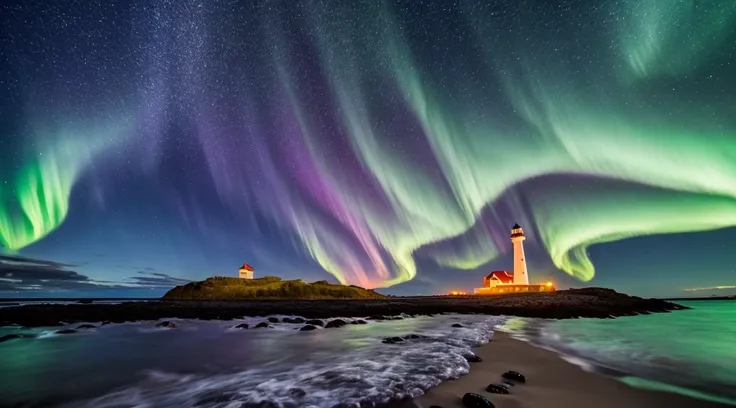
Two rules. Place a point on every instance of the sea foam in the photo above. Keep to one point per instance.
(368, 374)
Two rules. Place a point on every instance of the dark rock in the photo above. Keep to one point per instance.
(497, 389)
(261, 325)
(308, 327)
(241, 326)
(66, 331)
(415, 336)
(514, 376)
(166, 324)
(297, 320)
(473, 359)
(457, 325)
(273, 319)
(315, 322)
(297, 392)
(86, 326)
(563, 304)
(392, 340)
(14, 336)
(335, 323)
(106, 322)
(262, 404)
(472, 400)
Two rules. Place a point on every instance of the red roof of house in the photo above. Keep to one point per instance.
(503, 276)
(247, 267)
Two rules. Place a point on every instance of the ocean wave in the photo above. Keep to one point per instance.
(369, 375)
(604, 350)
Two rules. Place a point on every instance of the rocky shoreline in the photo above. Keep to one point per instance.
(568, 304)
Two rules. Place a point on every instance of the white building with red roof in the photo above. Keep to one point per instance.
(246, 272)
(517, 281)
(498, 278)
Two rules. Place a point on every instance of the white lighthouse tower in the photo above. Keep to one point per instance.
(517, 238)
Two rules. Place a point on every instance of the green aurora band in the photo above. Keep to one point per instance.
(38, 202)
(606, 129)
(562, 114)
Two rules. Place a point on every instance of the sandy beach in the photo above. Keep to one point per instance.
(551, 383)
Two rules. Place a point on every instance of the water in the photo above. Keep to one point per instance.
(210, 364)
(25, 302)
(691, 352)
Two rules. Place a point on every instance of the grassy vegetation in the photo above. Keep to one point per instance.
(268, 287)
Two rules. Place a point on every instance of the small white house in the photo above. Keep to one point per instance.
(246, 272)
(496, 278)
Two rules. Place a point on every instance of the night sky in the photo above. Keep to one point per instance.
(388, 144)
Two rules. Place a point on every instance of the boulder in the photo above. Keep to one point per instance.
(315, 322)
(66, 331)
(241, 326)
(167, 324)
(392, 340)
(473, 400)
(457, 325)
(308, 327)
(335, 323)
(514, 376)
(497, 389)
(293, 320)
(473, 359)
(273, 319)
(261, 404)
(261, 325)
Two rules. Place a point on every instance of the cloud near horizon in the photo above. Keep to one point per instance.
(22, 274)
(711, 288)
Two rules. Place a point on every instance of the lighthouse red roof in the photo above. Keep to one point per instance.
(247, 267)
(503, 276)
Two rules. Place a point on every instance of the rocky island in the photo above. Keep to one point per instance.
(226, 298)
(268, 287)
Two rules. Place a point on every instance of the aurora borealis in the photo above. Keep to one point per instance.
(387, 143)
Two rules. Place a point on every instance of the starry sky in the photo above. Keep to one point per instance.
(384, 143)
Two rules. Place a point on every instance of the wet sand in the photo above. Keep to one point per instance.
(551, 383)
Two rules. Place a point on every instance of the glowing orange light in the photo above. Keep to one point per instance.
(549, 284)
